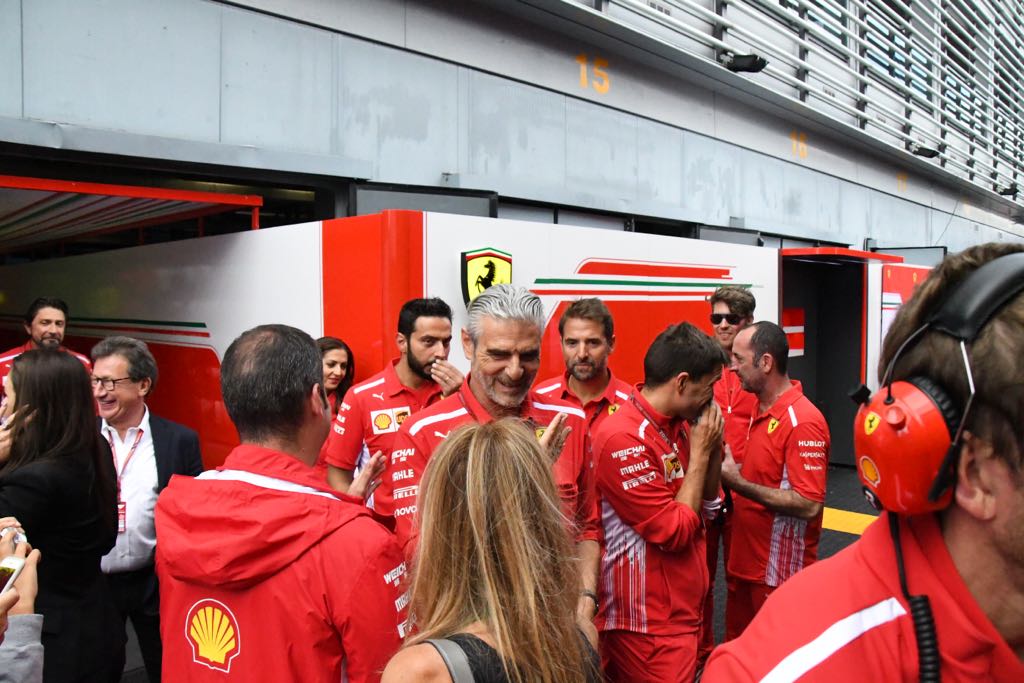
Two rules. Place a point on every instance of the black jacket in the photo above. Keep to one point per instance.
(176, 448)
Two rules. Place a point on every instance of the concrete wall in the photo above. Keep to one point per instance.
(433, 93)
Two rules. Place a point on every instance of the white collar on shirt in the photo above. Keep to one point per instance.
(111, 433)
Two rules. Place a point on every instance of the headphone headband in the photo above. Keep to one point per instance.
(980, 296)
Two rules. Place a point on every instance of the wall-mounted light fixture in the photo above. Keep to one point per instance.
(922, 151)
(1010, 190)
(749, 63)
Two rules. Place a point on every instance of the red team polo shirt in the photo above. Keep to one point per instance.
(845, 620)
(370, 416)
(787, 448)
(653, 570)
(738, 408)
(7, 358)
(615, 394)
(420, 436)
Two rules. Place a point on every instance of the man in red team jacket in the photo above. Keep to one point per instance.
(846, 619)
(502, 342)
(587, 331)
(373, 410)
(45, 323)
(732, 309)
(266, 574)
(779, 491)
(658, 483)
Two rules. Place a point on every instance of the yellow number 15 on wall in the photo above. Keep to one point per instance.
(594, 75)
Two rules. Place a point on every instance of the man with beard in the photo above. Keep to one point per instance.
(45, 322)
(502, 341)
(779, 491)
(587, 331)
(372, 411)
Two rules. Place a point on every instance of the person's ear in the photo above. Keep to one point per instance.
(402, 343)
(145, 386)
(979, 474)
(467, 344)
(318, 400)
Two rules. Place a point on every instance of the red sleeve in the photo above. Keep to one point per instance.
(398, 492)
(345, 441)
(371, 618)
(631, 478)
(807, 459)
(588, 519)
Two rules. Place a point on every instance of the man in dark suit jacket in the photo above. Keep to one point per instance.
(147, 450)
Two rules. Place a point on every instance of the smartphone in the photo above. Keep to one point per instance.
(10, 567)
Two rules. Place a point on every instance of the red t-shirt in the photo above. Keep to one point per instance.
(420, 436)
(738, 407)
(787, 448)
(845, 620)
(7, 359)
(371, 414)
(597, 411)
(654, 575)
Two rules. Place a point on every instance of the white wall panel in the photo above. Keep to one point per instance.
(10, 58)
(276, 83)
(601, 151)
(141, 66)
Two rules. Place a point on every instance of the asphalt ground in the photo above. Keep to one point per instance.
(847, 512)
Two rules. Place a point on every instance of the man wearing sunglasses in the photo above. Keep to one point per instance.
(147, 450)
(732, 309)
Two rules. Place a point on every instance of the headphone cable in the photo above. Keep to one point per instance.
(928, 662)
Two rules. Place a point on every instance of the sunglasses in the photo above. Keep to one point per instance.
(731, 318)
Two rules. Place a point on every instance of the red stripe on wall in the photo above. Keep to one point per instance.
(652, 270)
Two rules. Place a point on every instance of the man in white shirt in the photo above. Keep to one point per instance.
(147, 450)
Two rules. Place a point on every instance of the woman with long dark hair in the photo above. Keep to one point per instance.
(339, 369)
(57, 478)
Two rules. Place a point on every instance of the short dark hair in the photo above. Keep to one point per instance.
(681, 348)
(739, 300)
(414, 309)
(769, 338)
(592, 309)
(45, 302)
(141, 364)
(265, 378)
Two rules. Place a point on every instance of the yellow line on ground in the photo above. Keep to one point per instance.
(845, 521)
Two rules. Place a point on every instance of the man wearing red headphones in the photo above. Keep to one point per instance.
(935, 587)
(779, 491)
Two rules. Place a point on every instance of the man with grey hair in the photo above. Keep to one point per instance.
(502, 341)
(147, 450)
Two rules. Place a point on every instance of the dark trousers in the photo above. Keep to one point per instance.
(137, 597)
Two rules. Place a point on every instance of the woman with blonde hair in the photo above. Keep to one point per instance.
(495, 571)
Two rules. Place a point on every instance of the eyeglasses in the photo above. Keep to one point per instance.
(108, 384)
(731, 318)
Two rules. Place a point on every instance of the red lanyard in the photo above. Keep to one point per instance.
(672, 446)
(113, 454)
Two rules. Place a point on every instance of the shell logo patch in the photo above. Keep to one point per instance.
(612, 407)
(212, 631)
(871, 423)
(381, 421)
(773, 424)
(869, 470)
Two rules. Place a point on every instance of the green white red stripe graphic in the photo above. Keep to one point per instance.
(152, 329)
(488, 251)
(622, 280)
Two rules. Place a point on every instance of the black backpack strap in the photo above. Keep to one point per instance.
(454, 658)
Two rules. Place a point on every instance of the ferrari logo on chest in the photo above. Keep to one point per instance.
(773, 424)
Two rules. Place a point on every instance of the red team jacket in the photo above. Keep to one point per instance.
(421, 435)
(787, 448)
(844, 620)
(653, 569)
(371, 414)
(598, 410)
(738, 408)
(8, 356)
(268, 575)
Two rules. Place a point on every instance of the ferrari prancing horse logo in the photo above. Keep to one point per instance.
(773, 424)
(483, 268)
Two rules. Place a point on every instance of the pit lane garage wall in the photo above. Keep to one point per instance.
(348, 277)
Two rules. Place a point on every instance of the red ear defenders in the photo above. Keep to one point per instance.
(906, 438)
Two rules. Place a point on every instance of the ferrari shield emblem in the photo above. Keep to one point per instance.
(482, 268)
